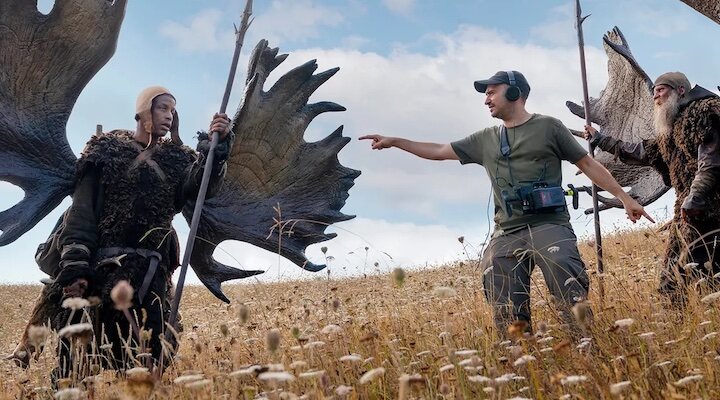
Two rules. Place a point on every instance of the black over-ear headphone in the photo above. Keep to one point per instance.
(513, 92)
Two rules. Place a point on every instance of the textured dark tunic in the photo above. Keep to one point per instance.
(126, 197)
(688, 158)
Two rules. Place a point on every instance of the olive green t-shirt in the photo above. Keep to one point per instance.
(537, 148)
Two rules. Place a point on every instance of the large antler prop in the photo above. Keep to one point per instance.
(708, 8)
(45, 62)
(280, 192)
(624, 110)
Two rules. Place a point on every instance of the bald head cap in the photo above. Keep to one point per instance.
(143, 105)
(674, 80)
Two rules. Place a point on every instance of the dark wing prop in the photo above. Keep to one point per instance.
(624, 110)
(708, 8)
(280, 192)
(45, 62)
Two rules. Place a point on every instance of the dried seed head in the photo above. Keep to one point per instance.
(38, 335)
(444, 291)
(224, 330)
(272, 340)
(518, 328)
(398, 276)
(82, 332)
(582, 312)
(444, 389)
(295, 332)
(75, 303)
(324, 249)
(243, 313)
(122, 295)
(461, 239)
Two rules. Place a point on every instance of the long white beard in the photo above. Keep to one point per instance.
(664, 115)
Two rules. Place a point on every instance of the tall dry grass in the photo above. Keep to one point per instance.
(429, 337)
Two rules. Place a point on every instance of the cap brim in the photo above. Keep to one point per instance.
(481, 86)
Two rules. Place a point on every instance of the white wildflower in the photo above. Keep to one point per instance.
(546, 339)
(524, 360)
(195, 385)
(75, 303)
(372, 375)
(647, 335)
(710, 298)
(553, 249)
(688, 380)
(276, 376)
(624, 323)
(709, 336)
(617, 388)
(483, 380)
(573, 380)
(663, 364)
(75, 330)
(705, 323)
(69, 394)
(444, 291)
(505, 378)
(182, 380)
(350, 358)
(447, 367)
(315, 345)
(466, 353)
(343, 390)
(331, 329)
(311, 374)
(298, 364)
(690, 266)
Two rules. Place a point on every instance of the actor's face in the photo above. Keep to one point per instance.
(496, 101)
(162, 114)
(661, 93)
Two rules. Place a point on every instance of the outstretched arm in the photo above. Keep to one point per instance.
(602, 177)
(430, 151)
(629, 153)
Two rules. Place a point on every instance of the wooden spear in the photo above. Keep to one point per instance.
(586, 101)
(239, 38)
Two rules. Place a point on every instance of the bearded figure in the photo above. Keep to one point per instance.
(685, 153)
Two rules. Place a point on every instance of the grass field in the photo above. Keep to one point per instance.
(429, 337)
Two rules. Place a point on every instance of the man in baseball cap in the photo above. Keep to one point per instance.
(526, 147)
(510, 78)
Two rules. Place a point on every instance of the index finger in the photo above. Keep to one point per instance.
(367, 137)
(649, 218)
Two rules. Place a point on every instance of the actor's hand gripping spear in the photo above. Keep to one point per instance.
(586, 101)
(239, 38)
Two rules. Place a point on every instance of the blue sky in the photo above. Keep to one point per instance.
(407, 68)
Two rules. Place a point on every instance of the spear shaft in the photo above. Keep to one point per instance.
(591, 150)
(202, 191)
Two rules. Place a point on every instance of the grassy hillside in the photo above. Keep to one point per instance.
(427, 338)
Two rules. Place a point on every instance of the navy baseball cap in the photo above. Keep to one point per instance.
(504, 77)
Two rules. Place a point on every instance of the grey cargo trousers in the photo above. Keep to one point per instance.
(509, 260)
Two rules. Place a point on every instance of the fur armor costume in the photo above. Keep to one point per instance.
(124, 203)
(688, 158)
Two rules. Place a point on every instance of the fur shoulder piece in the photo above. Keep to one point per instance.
(702, 114)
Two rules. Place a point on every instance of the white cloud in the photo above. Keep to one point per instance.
(559, 29)
(200, 34)
(430, 97)
(295, 21)
(400, 6)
